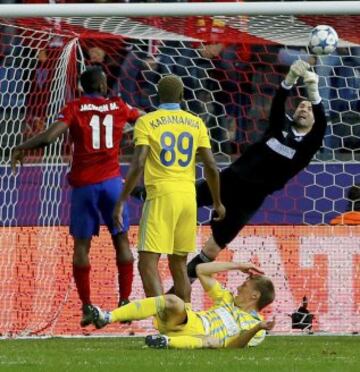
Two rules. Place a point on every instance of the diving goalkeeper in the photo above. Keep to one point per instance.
(233, 321)
(266, 166)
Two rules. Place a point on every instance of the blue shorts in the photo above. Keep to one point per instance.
(89, 202)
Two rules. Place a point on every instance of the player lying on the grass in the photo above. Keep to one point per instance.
(266, 166)
(233, 321)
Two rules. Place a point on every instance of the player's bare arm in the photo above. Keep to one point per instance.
(243, 338)
(206, 271)
(43, 139)
(135, 170)
(212, 178)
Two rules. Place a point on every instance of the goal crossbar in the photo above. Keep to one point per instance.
(181, 9)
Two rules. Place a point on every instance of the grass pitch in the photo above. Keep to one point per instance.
(297, 353)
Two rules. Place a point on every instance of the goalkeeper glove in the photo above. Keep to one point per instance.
(297, 69)
(311, 81)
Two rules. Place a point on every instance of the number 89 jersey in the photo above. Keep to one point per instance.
(96, 127)
(173, 137)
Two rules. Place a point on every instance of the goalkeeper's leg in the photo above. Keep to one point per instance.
(223, 232)
(207, 254)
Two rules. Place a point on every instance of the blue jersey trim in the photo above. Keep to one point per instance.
(169, 106)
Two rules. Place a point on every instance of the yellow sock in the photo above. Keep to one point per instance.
(140, 309)
(185, 342)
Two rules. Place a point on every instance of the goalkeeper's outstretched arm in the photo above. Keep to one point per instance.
(314, 138)
(277, 117)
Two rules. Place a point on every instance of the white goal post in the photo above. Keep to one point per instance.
(182, 9)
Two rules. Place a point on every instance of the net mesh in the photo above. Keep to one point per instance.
(231, 67)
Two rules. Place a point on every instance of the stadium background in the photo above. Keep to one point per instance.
(38, 295)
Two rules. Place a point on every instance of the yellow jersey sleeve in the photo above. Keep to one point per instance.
(141, 133)
(219, 294)
(204, 140)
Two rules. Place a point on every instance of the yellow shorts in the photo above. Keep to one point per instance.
(192, 327)
(168, 224)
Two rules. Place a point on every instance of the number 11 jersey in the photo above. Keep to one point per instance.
(173, 136)
(96, 126)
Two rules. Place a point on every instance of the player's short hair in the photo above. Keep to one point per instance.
(170, 89)
(266, 288)
(90, 79)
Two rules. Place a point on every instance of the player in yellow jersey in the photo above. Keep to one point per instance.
(166, 143)
(233, 321)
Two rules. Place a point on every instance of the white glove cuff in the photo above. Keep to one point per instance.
(285, 85)
(315, 99)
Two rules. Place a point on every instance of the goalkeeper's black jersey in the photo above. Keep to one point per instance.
(270, 163)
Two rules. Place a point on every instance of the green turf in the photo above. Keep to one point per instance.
(300, 353)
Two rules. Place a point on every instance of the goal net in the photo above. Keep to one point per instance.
(231, 67)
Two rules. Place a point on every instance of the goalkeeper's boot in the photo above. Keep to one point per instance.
(124, 302)
(99, 317)
(87, 316)
(157, 341)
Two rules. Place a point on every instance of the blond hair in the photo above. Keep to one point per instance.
(265, 286)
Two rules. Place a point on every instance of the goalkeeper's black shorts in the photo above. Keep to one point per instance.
(241, 200)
